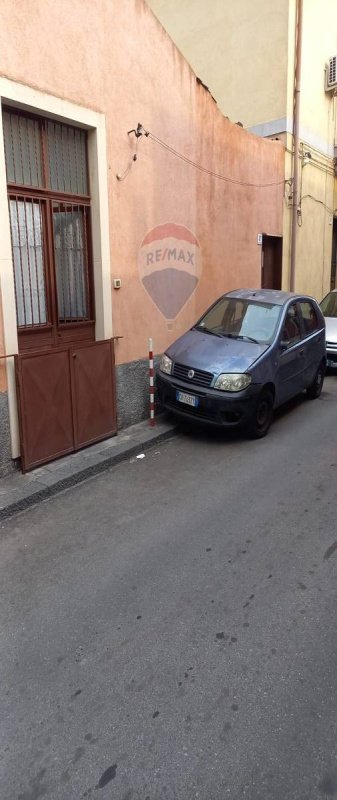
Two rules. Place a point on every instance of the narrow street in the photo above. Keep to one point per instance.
(168, 629)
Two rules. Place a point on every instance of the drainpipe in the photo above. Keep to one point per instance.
(297, 91)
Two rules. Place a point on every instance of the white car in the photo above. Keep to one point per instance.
(329, 309)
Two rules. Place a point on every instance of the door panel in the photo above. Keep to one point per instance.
(66, 400)
(314, 339)
(92, 369)
(315, 355)
(291, 372)
(45, 407)
(292, 360)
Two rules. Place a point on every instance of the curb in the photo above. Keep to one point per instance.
(38, 491)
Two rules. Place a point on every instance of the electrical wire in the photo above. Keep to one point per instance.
(328, 170)
(311, 197)
(209, 171)
(141, 131)
(321, 161)
(120, 177)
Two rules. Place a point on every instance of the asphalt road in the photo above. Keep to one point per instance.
(169, 628)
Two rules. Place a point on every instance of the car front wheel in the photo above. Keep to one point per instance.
(316, 387)
(262, 416)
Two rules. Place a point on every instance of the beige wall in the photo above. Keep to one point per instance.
(245, 51)
(239, 50)
(317, 134)
(315, 233)
(318, 121)
(94, 59)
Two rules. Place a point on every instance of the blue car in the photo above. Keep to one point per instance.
(250, 352)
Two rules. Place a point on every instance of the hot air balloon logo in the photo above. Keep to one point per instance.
(169, 263)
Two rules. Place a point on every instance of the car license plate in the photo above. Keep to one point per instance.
(189, 399)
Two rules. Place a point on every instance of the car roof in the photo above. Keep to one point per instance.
(264, 295)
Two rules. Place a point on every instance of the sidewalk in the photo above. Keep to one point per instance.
(18, 491)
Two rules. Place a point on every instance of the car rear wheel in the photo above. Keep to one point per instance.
(316, 387)
(263, 415)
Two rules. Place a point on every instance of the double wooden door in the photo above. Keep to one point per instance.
(66, 400)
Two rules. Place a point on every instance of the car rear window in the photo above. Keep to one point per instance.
(309, 316)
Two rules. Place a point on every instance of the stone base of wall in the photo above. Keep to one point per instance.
(7, 464)
(133, 395)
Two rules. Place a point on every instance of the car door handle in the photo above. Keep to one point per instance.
(301, 352)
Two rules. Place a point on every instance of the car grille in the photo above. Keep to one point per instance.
(332, 346)
(200, 377)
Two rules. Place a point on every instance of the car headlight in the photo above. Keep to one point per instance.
(166, 364)
(232, 382)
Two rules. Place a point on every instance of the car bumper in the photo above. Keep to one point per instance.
(225, 409)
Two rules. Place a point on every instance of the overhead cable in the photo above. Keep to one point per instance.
(141, 131)
(209, 171)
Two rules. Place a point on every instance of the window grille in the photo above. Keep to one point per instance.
(71, 261)
(49, 205)
(28, 256)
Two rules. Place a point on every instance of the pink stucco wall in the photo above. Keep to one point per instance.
(115, 57)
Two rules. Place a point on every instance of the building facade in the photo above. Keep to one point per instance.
(246, 53)
(128, 204)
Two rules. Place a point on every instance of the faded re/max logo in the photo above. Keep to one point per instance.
(169, 263)
(170, 254)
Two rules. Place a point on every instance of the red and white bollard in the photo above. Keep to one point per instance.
(151, 375)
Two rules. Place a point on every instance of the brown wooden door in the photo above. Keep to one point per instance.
(271, 268)
(45, 407)
(65, 379)
(92, 369)
(66, 400)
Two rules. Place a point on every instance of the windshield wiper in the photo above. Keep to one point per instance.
(206, 330)
(241, 336)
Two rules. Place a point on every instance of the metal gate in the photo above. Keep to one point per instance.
(66, 400)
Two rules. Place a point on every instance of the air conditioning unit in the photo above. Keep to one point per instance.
(331, 75)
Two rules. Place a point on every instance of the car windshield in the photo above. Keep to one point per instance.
(241, 319)
(329, 305)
